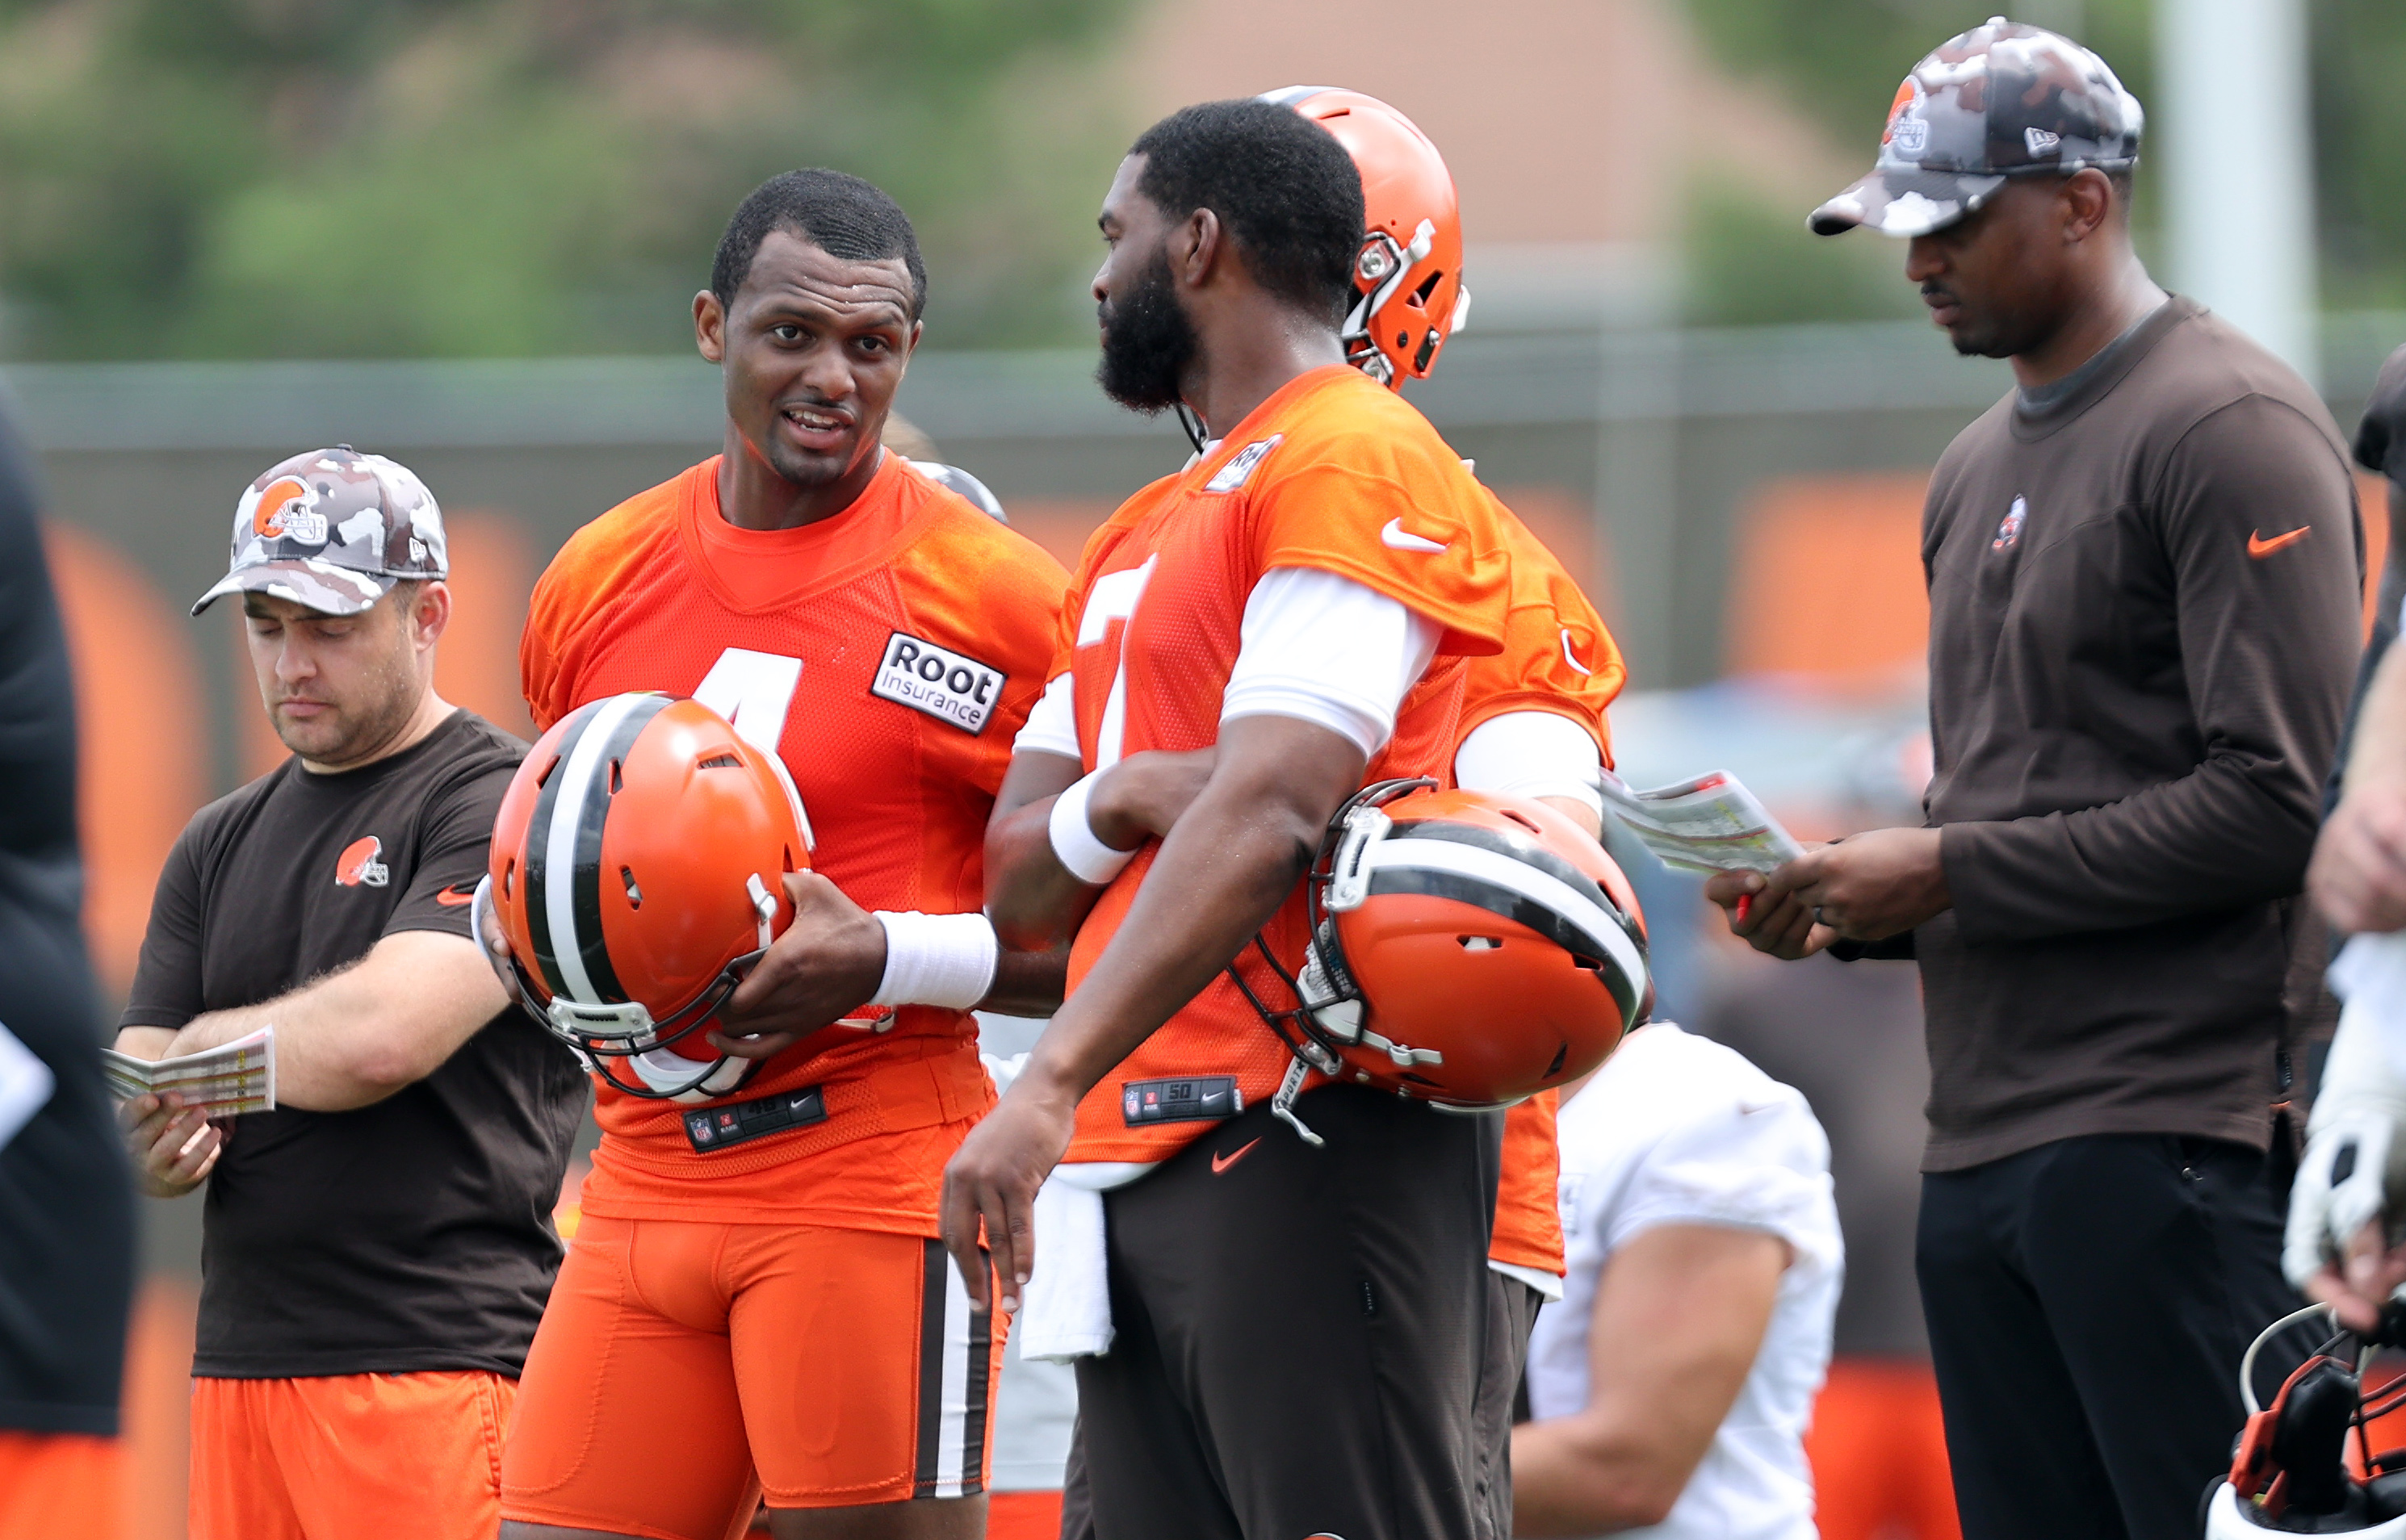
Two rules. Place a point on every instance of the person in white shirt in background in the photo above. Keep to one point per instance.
(1670, 1385)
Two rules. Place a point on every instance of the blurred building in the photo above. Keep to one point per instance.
(1572, 127)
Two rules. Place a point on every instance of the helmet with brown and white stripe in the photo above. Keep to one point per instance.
(638, 867)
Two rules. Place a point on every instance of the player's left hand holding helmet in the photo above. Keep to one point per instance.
(1469, 949)
(2354, 1172)
(637, 873)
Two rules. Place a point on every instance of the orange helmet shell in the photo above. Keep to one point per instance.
(638, 857)
(1496, 950)
(1409, 273)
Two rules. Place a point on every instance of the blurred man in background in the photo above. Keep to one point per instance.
(2143, 572)
(66, 1208)
(2336, 1250)
(1671, 1385)
(377, 1248)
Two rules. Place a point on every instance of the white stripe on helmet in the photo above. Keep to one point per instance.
(577, 775)
(1403, 852)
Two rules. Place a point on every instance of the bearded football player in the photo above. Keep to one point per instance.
(1532, 721)
(758, 1262)
(1293, 1280)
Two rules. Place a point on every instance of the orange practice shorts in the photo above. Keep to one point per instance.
(1878, 1450)
(67, 1484)
(349, 1454)
(684, 1367)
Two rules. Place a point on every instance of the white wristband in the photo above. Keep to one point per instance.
(1088, 859)
(936, 959)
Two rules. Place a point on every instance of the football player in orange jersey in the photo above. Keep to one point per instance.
(1294, 1327)
(771, 1312)
(1532, 716)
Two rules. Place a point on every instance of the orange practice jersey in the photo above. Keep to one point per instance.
(923, 631)
(1332, 473)
(1557, 658)
(1557, 655)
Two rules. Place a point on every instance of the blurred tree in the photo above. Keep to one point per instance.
(364, 178)
(1749, 262)
(1839, 61)
(2359, 125)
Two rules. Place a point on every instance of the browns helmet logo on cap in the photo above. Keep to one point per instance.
(333, 529)
(2000, 100)
(283, 512)
(358, 865)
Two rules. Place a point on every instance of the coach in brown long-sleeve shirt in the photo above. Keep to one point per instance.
(2142, 633)
(2145, 572)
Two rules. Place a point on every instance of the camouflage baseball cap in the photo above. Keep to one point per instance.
(334, 529)
(2001, 100)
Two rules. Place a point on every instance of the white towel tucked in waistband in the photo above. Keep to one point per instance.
(1065, 1312)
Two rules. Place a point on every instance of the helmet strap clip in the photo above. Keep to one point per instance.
(1283, 1104)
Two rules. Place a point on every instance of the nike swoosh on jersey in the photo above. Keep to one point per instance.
(455, 896)
(2259, 547)
(1221, 1163)
(1395, 537)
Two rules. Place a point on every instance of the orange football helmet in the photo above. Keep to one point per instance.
(1409, 271)
(637, 869)
(1467, 949)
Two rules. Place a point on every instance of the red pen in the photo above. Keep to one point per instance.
(1745, 902)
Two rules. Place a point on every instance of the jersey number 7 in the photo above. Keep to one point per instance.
(1113, 598)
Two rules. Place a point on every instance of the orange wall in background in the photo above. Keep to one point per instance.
(1827, 581)
(476, 663)
(159, 1407)
(1826, 578)
(142, 745)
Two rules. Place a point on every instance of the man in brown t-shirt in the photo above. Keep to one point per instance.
(377, 1248)
(2143, 570)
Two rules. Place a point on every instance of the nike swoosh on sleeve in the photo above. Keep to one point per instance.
(1395, 537)
(2259, 547)
(455, 897)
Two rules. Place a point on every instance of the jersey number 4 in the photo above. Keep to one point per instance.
(754, 691)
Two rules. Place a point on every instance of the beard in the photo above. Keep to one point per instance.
(1986, 335)
(1148, 342)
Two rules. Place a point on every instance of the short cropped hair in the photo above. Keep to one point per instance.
(1285, 189)
(842, 215)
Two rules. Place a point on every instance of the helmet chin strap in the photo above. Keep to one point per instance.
(1197, 433)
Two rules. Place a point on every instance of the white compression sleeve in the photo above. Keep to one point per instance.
(1530, 754)
(1051, 724)
(1328, 650)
